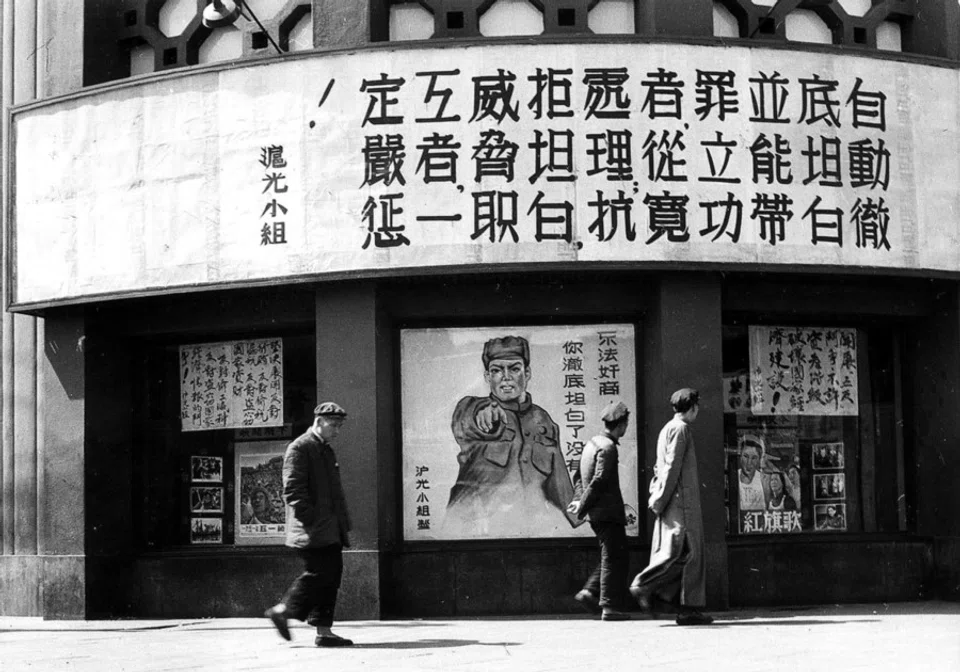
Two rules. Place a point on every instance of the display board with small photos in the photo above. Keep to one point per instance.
(206, 499)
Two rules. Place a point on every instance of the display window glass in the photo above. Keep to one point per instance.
(803, 409)
(214, 419)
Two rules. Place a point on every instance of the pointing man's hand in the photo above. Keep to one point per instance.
(489, 417)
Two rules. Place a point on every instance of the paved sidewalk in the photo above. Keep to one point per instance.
(916, 636)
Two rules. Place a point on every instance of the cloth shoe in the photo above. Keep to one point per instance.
(588, 601)
(614, 616)
(650, 604)
(279, 620)
(332, 641)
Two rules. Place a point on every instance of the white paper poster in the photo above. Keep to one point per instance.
(803, 371)
(231, 385)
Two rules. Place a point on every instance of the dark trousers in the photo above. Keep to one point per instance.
(313, 595)
(609, 579)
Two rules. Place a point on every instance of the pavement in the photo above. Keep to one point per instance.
(921, 636)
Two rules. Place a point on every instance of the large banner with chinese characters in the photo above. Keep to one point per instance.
(231, 384)
(803, 371)
(495, 421)
(387, 159)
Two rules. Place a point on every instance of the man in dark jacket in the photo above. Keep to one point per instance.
(597, 487)
(318, 529)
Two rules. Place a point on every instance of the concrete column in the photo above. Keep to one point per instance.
(675, 18)
(931, 372)
(935, 30)
(684, 349)
(347, 374)
(341, 24)
(61, 466)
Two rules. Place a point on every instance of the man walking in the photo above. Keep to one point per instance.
(676, 573)
(319, 527)
(597, 486)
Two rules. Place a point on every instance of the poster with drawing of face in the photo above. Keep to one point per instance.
(260, 513)
(495, 420)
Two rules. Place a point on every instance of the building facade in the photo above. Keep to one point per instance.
(211, 226)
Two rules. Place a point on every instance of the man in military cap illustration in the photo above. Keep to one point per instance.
(513, 480)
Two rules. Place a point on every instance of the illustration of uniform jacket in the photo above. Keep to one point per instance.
(515, 470)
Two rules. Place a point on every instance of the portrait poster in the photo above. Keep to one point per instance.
(206, 530)
(206, 469)
(768, 473)
(803, 371)
(231, 385)
(259, 508)
(490, 452)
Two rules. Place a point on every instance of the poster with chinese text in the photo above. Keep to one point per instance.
(260, 510)
(231, 385)
(495, 420)
(803, 371)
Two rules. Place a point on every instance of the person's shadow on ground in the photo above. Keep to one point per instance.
(424, 644)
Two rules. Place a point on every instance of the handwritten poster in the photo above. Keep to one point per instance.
(495, 421)
(231, 384)
(803, 371)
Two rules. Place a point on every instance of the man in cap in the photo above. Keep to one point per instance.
(596, 487)
(513, 480)
(676, 573)
(318, 529)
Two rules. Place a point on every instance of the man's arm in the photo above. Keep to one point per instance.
(676, 448)
(296, 465)
(606, 465)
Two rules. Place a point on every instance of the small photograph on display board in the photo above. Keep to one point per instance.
(206, 531)
(830, 517)
(827, 455)
(829, 486)
(206, 469)
(206, 500)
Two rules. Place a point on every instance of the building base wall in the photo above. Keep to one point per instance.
(771, 574)
(946, 558)
(51, 586)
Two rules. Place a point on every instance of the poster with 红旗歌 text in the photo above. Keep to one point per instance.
(803, 371)
(231, 385)
(495, 420)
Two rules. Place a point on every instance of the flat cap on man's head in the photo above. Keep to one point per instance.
(329, 409)
(684, 399)
(508, 347)
(614, 412)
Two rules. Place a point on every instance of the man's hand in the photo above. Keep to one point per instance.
(574, 507)
(489, 418)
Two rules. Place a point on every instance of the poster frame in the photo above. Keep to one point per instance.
(276, 448)
(632, 319)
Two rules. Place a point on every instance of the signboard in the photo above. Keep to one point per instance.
(382, 160)
(231, 384)
(490, 448)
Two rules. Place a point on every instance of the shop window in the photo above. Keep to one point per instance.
(810, 430)
(215, 419)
